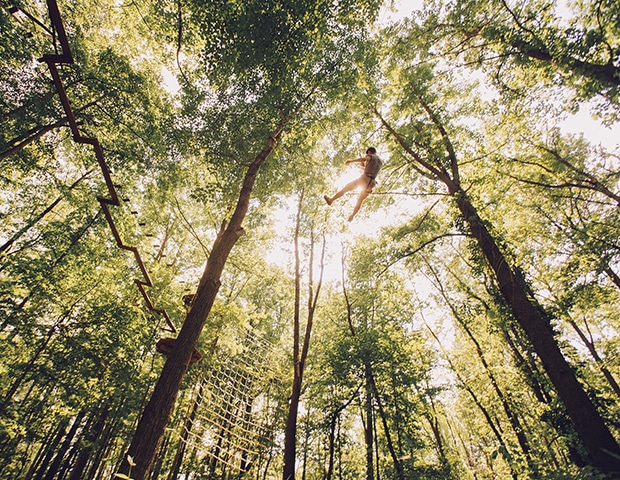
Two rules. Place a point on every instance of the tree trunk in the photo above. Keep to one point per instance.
(503, 448)
(28, 367)
(157, 464)
(589, 425)
(290, 433)
(97, 465)
(223, 434)
(156, 415)
(368, 428)
(246, 462)
(510, 415)
(458, 439)
(529, 369)
(370, 384)
(304, 468)
(592, 431)
(60, 453)
(48, 449)
(388, 438)
(332, 432)
(90, 442)
(433, 422)
(331, 444)
(299, 358)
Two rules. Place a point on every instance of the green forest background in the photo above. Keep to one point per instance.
(463, 326)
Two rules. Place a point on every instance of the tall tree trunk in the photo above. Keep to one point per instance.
(290, 433)
(370, 383)
(331, 443)
(600, 444)
(156, 415)
(503, 447)
(90, 442)
(332, 431)
(225, 424)
(52, 471)
(246, 462)
(388, 437)
(592, 431)
(157, 464)
(111, 431)
(528, 368)
(433, 422)
(432, 417)
(456, 439)
(304, 468)
(48, 449)
(299, 357)
(50, 334)
(368, 427)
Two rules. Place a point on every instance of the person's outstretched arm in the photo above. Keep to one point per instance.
(357, 160)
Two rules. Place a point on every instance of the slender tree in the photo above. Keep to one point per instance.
(300, 355)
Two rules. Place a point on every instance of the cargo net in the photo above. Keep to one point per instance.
(231, 429)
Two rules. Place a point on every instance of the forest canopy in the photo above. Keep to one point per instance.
(178, 301)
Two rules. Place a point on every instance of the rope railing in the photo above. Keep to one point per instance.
(66, 57)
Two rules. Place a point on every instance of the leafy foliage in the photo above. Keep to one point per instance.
(417, 367)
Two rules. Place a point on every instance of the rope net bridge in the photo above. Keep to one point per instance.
(230, 425)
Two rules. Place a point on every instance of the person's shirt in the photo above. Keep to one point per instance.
(373, 165)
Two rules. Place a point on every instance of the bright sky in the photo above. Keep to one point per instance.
(402, 8)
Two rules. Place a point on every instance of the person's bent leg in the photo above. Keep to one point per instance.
(347, 188)
(363, 195)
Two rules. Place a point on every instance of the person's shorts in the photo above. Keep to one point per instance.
(371, 184)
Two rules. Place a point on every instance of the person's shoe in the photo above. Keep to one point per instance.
(327, 199)
(351, 218)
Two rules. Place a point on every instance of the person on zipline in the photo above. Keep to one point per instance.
(371, 164)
